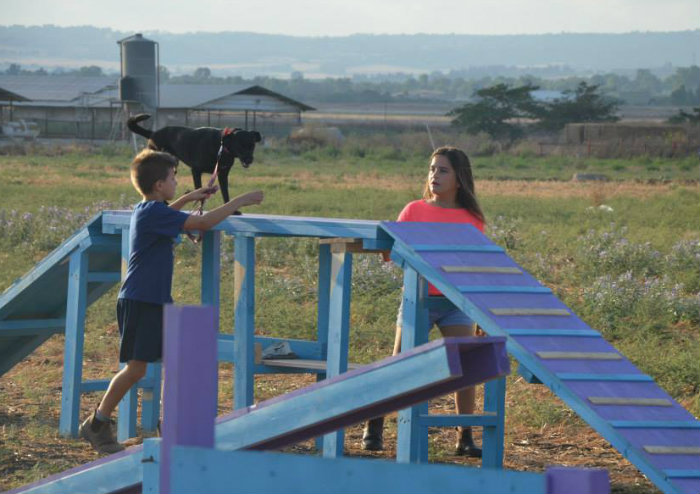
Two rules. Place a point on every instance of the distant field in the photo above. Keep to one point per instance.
(630, 269)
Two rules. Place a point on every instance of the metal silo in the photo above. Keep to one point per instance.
(139, 64)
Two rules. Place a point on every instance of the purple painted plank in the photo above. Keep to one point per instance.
(440, 259)
(620, 389)
(666, 437)
(564, 343)
(191, 384)
(590, 366)
(562, 480)
(437, 233)
(687, 486)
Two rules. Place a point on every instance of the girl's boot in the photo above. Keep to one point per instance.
(465, 444)
(372, 436)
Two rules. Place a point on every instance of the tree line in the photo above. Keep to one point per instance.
(679, 88)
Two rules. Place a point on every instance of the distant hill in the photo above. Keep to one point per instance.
(250, 54)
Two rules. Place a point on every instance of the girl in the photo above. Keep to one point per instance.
(448, 197)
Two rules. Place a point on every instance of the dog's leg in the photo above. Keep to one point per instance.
(223, 184)
(197, 179)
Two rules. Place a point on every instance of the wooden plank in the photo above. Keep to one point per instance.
(574, 376)
(394, 383)
(672, 450)
(298, 363)
(197, 470)
(482, 269)
(526, 311)
(682, 474)
(637, 402)
(456, 248)
(502, 289)
(579, 355)
(554, 332)
(655, 424)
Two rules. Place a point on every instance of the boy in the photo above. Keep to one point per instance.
(146, 288)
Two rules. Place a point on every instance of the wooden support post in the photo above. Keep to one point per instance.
(244, 314)
(189, 409)
(73, 349)
(493, 436)
(150, 398)
(338, 334)
(412, 441)
(324, 292)
(211, 267)
(126, 420)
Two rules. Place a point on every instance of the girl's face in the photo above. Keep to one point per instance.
(442, 178)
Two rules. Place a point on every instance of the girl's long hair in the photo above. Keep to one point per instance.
(466, 196)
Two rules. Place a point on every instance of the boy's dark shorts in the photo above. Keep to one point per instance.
(141, 330)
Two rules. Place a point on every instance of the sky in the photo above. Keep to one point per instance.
(341, 18)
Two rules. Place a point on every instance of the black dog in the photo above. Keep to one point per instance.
(198, 148)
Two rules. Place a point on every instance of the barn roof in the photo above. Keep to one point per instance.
(100, 91)
(64, 88)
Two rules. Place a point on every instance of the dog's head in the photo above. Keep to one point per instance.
(241, 144)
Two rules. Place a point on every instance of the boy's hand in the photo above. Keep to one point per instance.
(203, 193)
(251, 198)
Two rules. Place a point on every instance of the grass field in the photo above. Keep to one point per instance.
(624, 254)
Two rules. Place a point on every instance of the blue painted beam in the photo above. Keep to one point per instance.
(198, 470)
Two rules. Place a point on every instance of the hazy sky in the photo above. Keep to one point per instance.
(343, 17)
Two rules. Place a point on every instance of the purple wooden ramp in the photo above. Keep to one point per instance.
(555, 347)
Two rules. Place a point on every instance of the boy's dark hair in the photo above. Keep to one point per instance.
(148, 167)
(466, 195)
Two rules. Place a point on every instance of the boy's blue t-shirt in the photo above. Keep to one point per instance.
(152, 232)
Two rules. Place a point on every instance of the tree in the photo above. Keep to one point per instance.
(496, 110)
(202, 73)
(92, 70)
(584, 104)
(685, 117)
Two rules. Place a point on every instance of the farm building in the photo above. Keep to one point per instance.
(89, 107)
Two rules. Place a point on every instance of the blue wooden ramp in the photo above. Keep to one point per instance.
(35, 306)
(427, 372)
(555, 347)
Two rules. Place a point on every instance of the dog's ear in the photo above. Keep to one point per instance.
(257, 136)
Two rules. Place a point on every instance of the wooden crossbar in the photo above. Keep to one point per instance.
(655, 424)
(298, 363)
(637, 402)
(456, 248)
(502, 289)
(582, 376)
(579, 355)
(672, 450)
(554, 332)
(526, 311)
(482, 269)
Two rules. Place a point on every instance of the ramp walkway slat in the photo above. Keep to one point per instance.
(555, 347)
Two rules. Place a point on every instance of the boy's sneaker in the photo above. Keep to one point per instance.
(99, 435)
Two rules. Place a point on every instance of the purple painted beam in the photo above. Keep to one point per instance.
(191, 381)
(562, 480)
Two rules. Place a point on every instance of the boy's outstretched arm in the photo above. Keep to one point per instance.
(211, 218)
(201, 194)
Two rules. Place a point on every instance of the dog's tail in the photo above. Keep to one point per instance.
(132, 124)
